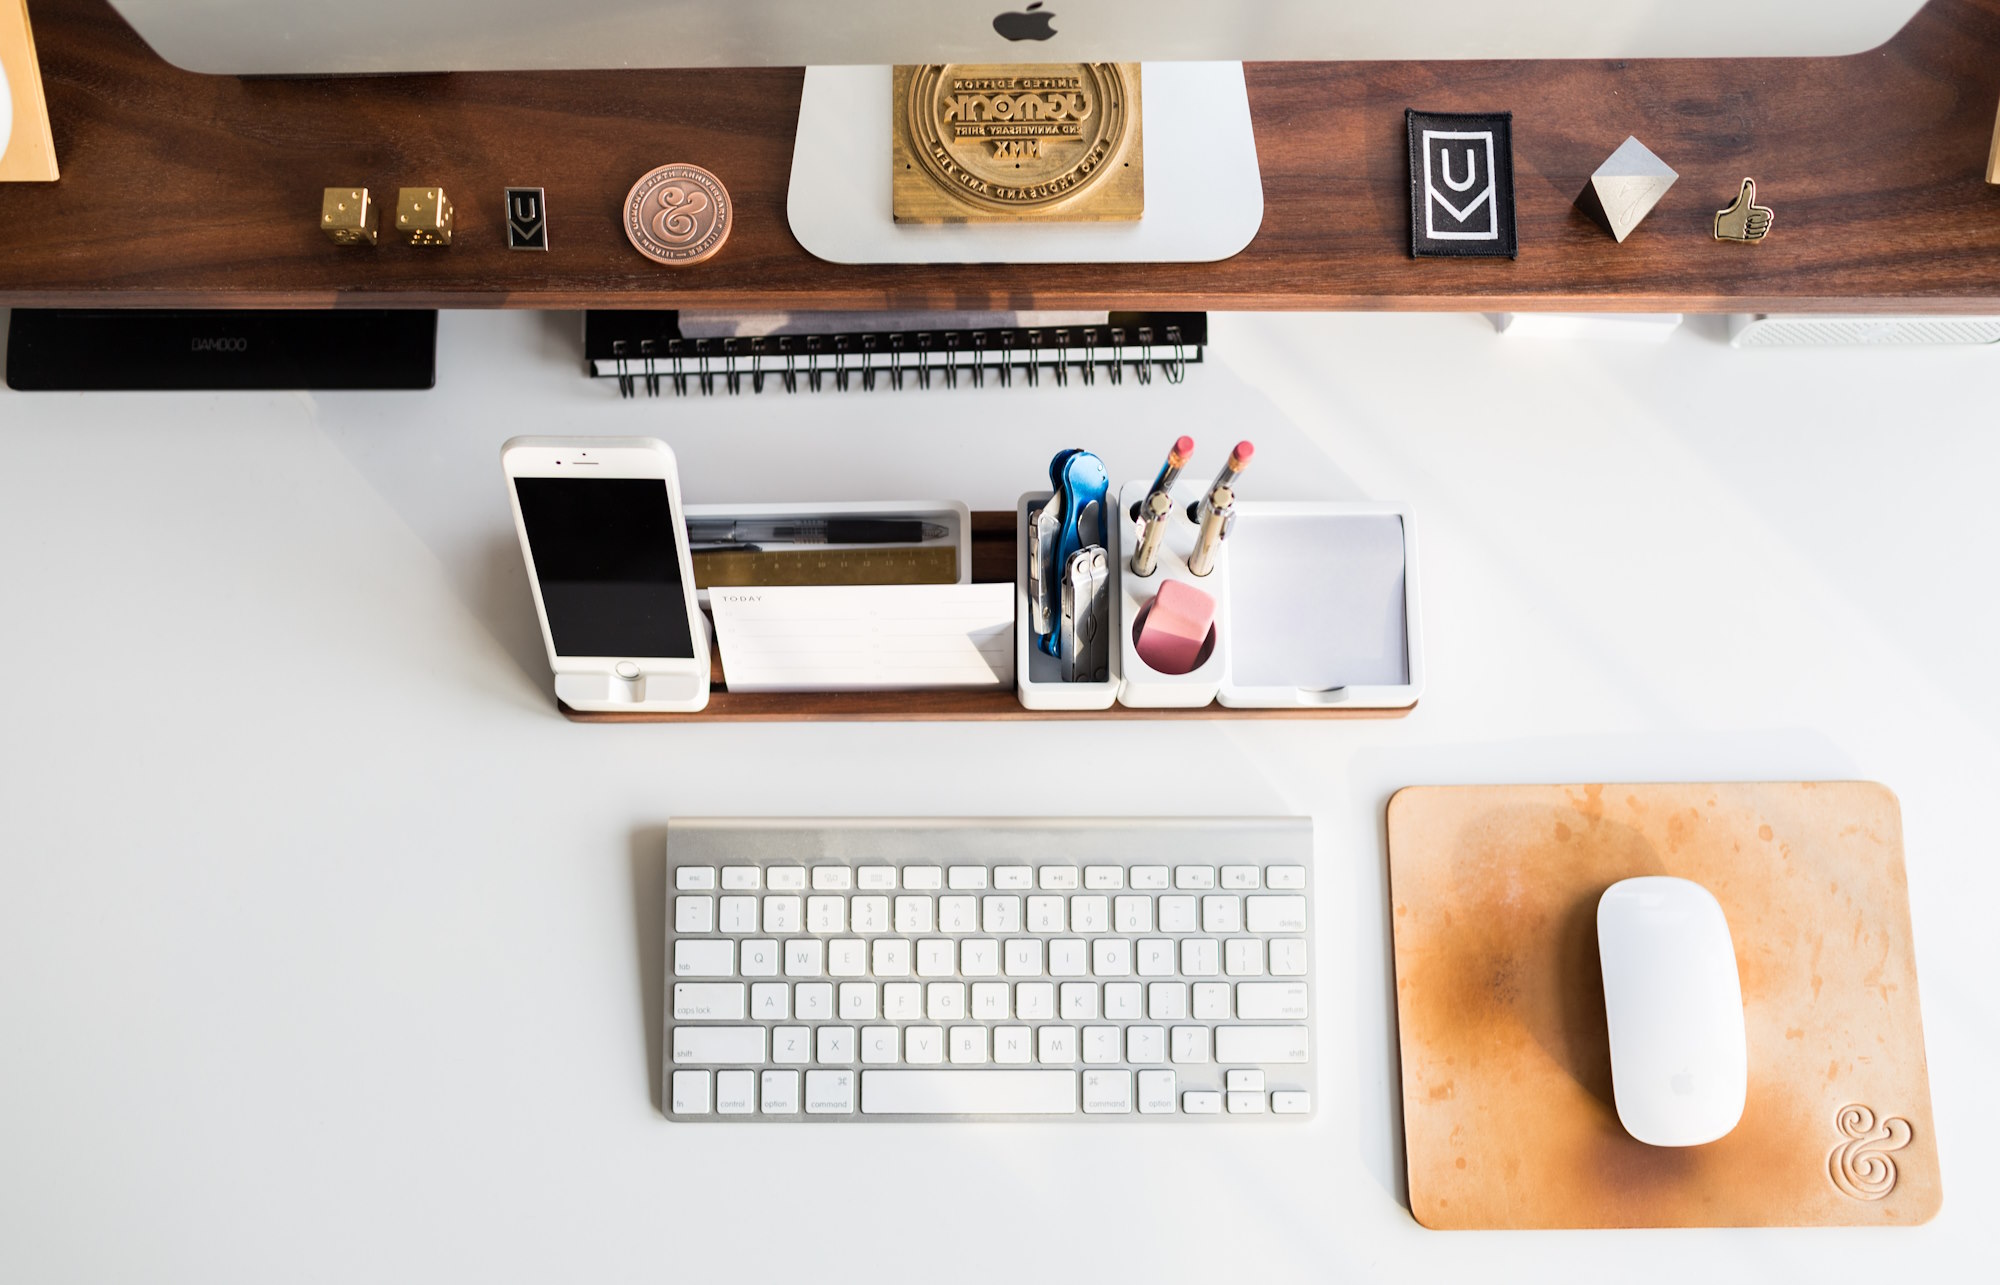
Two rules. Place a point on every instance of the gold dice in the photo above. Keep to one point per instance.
(347, 216)
(424, 215)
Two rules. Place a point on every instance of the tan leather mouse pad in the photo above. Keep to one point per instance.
(1507, 1102)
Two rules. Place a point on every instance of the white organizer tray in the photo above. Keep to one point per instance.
(1322, 607)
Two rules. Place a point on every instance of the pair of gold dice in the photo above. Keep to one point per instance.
(423, 216)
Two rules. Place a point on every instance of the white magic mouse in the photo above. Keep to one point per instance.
(1673, 1001)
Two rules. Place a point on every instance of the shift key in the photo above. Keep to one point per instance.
(732, 1045)
(1241, 1045)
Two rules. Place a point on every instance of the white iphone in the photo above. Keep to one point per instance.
(603, 532)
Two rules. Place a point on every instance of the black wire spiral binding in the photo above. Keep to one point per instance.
(647, 347)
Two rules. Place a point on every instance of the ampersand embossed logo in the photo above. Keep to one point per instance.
(676, 221)
(677, 214)
(1860, 1166)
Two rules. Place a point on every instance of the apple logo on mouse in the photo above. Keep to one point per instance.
(1032, 24)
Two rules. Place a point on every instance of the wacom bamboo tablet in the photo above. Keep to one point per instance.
(1321, 607)
(1507, 1101)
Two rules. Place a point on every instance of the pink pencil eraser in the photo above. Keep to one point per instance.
(1175, 628)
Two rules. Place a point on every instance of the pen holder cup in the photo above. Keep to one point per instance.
(1145, 687)
(1038, 676)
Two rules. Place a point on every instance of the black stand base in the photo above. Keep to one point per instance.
(142, 349)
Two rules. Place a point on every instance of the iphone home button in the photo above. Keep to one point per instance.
(626, 669)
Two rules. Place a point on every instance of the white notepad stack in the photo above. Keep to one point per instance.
(865, 637)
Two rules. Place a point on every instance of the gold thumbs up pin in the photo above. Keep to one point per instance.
(1744, 219)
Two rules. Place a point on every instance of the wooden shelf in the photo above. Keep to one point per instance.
(934, 707)
(199, 191)
(992, 562)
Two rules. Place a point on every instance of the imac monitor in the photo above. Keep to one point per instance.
(297, 38)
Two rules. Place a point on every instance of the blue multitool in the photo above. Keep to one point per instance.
(1073, 519)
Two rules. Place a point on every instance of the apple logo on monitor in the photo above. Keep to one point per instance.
(1030, 25)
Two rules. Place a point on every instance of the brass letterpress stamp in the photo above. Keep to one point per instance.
(1002, 143)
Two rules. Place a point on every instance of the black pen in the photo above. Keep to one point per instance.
(814, 531)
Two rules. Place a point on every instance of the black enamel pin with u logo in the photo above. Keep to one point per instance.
(527, 219)
(1461, 185)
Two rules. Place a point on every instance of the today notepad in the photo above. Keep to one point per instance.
(831, 638)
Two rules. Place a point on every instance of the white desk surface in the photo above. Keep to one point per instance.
(329, 952)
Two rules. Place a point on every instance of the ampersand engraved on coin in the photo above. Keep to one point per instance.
(678, 214)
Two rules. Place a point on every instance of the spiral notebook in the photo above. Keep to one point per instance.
(707, 353)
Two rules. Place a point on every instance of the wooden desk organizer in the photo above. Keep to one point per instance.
(993, 560)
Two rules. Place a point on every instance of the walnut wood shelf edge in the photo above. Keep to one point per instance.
(197, 191)
(933, 707)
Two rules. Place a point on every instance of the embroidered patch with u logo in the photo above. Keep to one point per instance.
(1461, 184)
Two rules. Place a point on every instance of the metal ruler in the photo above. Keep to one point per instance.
(889, 564)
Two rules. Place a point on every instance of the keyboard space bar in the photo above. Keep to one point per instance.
(968, 1093)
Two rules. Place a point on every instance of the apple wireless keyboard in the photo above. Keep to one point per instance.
(973, 969)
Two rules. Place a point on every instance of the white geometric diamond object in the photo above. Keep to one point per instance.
(1625, 188)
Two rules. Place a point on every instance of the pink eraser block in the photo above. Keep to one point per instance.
(1175, 628)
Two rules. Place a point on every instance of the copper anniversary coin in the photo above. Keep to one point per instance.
(678, 214)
